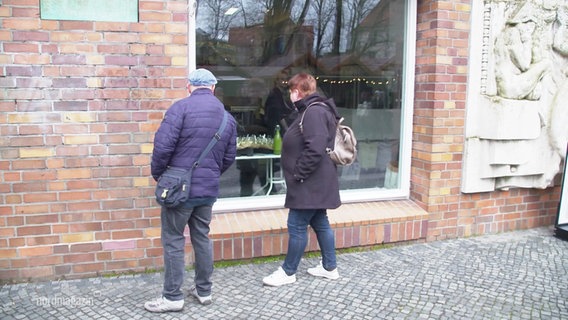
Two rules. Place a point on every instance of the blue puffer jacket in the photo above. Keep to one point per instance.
(187, 127)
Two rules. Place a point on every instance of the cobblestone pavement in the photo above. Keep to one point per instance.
(516, 275)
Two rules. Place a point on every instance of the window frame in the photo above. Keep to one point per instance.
(354, 195)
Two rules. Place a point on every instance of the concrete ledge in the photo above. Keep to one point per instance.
(250, 234)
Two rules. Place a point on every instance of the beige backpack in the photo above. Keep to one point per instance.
(344, 150)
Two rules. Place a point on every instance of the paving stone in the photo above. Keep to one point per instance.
(517, 275)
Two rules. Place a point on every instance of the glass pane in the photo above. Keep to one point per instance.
(354, 48)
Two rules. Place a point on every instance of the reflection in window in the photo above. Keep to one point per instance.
(355, 52)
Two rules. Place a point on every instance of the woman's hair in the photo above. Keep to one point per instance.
(304, 83)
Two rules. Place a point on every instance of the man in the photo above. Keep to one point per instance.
(185, 131)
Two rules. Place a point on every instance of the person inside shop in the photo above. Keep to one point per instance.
(279, 111)
(255, 126)
(278, 108)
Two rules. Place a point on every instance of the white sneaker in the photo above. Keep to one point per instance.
(319, 271)
(163, 305)
(203, 300)
(278, 278)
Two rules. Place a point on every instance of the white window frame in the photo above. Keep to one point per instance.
(347, 196)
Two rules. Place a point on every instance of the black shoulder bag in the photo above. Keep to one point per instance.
(173, 185)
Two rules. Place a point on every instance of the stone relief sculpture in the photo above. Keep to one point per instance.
(559, 106)
(517, 119)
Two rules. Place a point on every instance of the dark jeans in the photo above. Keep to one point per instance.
(173, 241)
(298, 221)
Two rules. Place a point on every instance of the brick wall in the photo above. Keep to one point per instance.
(80, 103)
(439, 132)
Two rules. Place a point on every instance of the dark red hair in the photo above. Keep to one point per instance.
(304, 83)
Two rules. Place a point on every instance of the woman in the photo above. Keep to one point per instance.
(311, 180)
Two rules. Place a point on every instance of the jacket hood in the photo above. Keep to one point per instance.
(302, 104)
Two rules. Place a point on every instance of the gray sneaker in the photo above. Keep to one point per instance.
(203, 300)
(163, 305)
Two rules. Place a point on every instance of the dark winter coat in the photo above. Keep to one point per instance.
(278, 111)
(186, 130)
(311, 176)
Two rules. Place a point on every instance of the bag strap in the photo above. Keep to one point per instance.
(216, 137)
(301, 124)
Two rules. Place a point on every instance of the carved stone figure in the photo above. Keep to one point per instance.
(517, 75)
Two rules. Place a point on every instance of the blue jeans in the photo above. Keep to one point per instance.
(298, 221)
(174, 221)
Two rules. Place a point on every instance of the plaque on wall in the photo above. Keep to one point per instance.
(561, 227)
(90, 10)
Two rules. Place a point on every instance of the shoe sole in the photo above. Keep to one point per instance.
(323, 276)
(163, 311)
(278, 285)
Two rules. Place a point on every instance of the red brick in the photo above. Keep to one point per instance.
(127, 234)
(33, 230)
(122, 265)
(84, 206)
(42, 219)
(111, 93)
(128, 254)
(10, 275)
(23, 71)
(12, 176)
(45, 261)
(29, 35)
(70, 83)
(42, 240)
(25, 12)
(104, 256)
(118, 225)
(35, 251)
(76, 25)
(121, 60)
(37, 272)
(85, 226)
(113, 49)
(112, 71)
(116, 204)
(90, 268)
(21, 47)
(79, 258)
(82, 162)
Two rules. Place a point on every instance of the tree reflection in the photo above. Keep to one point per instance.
(332, 27)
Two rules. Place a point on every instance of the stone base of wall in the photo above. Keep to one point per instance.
(245, 235)
(236, 236)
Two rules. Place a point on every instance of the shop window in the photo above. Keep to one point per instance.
(357, 54)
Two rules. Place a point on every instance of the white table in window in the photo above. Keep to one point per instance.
(271, 179)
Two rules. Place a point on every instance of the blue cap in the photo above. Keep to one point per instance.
(201, 77)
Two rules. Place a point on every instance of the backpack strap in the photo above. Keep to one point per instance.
(301, 124)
